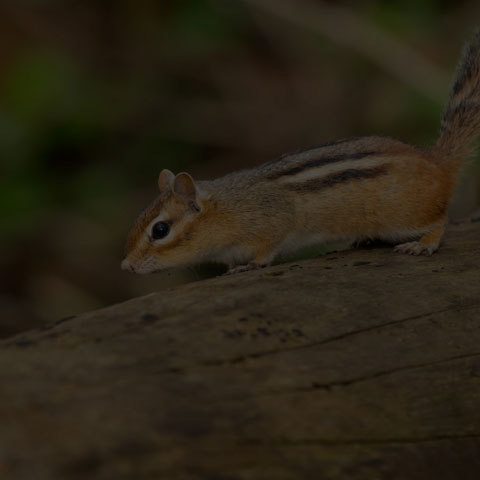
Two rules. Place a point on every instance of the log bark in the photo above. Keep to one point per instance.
(362, 364)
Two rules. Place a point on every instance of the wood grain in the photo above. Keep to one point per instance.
(362, 364)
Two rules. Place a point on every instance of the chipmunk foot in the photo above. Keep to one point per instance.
(416, 248)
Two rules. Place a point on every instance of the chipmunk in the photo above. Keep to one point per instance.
(355, 189)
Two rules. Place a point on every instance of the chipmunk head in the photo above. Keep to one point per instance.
(163, 235)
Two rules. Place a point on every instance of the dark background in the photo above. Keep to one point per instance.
(98, 96)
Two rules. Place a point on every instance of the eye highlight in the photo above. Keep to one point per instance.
(160, 230)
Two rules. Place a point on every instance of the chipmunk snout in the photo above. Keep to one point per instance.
(126, 265)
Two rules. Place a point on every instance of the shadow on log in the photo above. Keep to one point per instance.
(362, 364)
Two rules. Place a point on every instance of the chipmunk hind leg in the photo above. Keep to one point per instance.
(428, 243)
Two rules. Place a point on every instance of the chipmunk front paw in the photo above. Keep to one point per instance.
(245, 268)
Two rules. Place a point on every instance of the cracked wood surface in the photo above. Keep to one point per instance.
(358, 365)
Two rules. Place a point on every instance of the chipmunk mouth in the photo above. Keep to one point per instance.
(142, 268)
(126, 265)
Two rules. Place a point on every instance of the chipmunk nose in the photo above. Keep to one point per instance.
(126, 265)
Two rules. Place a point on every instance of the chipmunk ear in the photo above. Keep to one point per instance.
(165, 180)
(184, 188)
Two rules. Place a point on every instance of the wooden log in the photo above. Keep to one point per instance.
(363, 364)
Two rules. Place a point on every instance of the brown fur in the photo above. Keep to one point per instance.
(359, 188)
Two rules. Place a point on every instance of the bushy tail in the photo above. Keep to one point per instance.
(461, 121)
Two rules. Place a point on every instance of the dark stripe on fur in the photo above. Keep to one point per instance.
(315, 147)
(299, 151)
(318, 162)
(333, 179)
(465, 113)
(461, 122)
(468, 64)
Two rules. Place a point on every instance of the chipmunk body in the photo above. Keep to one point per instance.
(351, 189)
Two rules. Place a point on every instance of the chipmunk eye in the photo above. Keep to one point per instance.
(160, 230)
